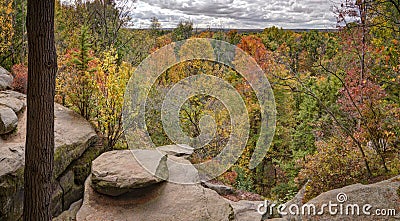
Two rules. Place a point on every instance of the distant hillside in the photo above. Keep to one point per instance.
(196, 30)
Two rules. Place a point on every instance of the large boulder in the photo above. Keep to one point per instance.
(384, 196)
(158, 202)
(118, 172)
(8, 120)
(14, 100)
(6, 79)
(73, 136)
(11, 105)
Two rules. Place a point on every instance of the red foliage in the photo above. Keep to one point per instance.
(20, 73)
(230, 177)
(255, 47)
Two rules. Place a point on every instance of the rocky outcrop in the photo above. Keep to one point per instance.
(6, 79)
(117, 172)
(73, 137)
(158, 202)
(383, 196)
(169, 201)
(152, 201)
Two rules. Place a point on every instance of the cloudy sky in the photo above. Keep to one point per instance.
(237, 14)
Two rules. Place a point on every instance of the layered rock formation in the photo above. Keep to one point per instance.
(144, 196)
(74, 151)
(136, 194)
(117, 172)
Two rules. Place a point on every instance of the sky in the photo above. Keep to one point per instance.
(237, 14)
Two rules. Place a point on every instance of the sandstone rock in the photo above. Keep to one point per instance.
(220, 189)
(297, 200)
(182, 171)
(14, 94)
(159, 202)
(67, 181)
(382, 195)
(70, 192)
(11, 181)
(73, 136)
(178, 150)
(118, 172)
(13, 100)
(70, 214)
(246, 210)
(73, 195)
(8, 120)
(6, 79)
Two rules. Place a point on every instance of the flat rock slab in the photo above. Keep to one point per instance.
(160, 202)
(178, 150)
(118, 172)
(220, 189)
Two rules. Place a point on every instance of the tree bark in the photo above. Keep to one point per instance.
(39, 148)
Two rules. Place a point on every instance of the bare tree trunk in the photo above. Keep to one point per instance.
(39, 153)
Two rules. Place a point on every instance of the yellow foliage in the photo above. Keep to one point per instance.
(6, 25)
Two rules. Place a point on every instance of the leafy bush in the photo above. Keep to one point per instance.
(20, 73)
(334, 165)
(243, 180)
(284, 192)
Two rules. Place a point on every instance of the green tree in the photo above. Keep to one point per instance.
(182, 31)
(155, 26)
(76, 82)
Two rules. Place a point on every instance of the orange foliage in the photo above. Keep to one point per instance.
(254, 47)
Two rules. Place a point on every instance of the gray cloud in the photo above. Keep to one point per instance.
(237, 13)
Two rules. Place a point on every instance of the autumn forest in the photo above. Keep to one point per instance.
(337, 92)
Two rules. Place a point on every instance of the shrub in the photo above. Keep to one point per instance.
(334, 165)
(20, 73)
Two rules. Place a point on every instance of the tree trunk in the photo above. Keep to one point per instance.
(39, 148)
